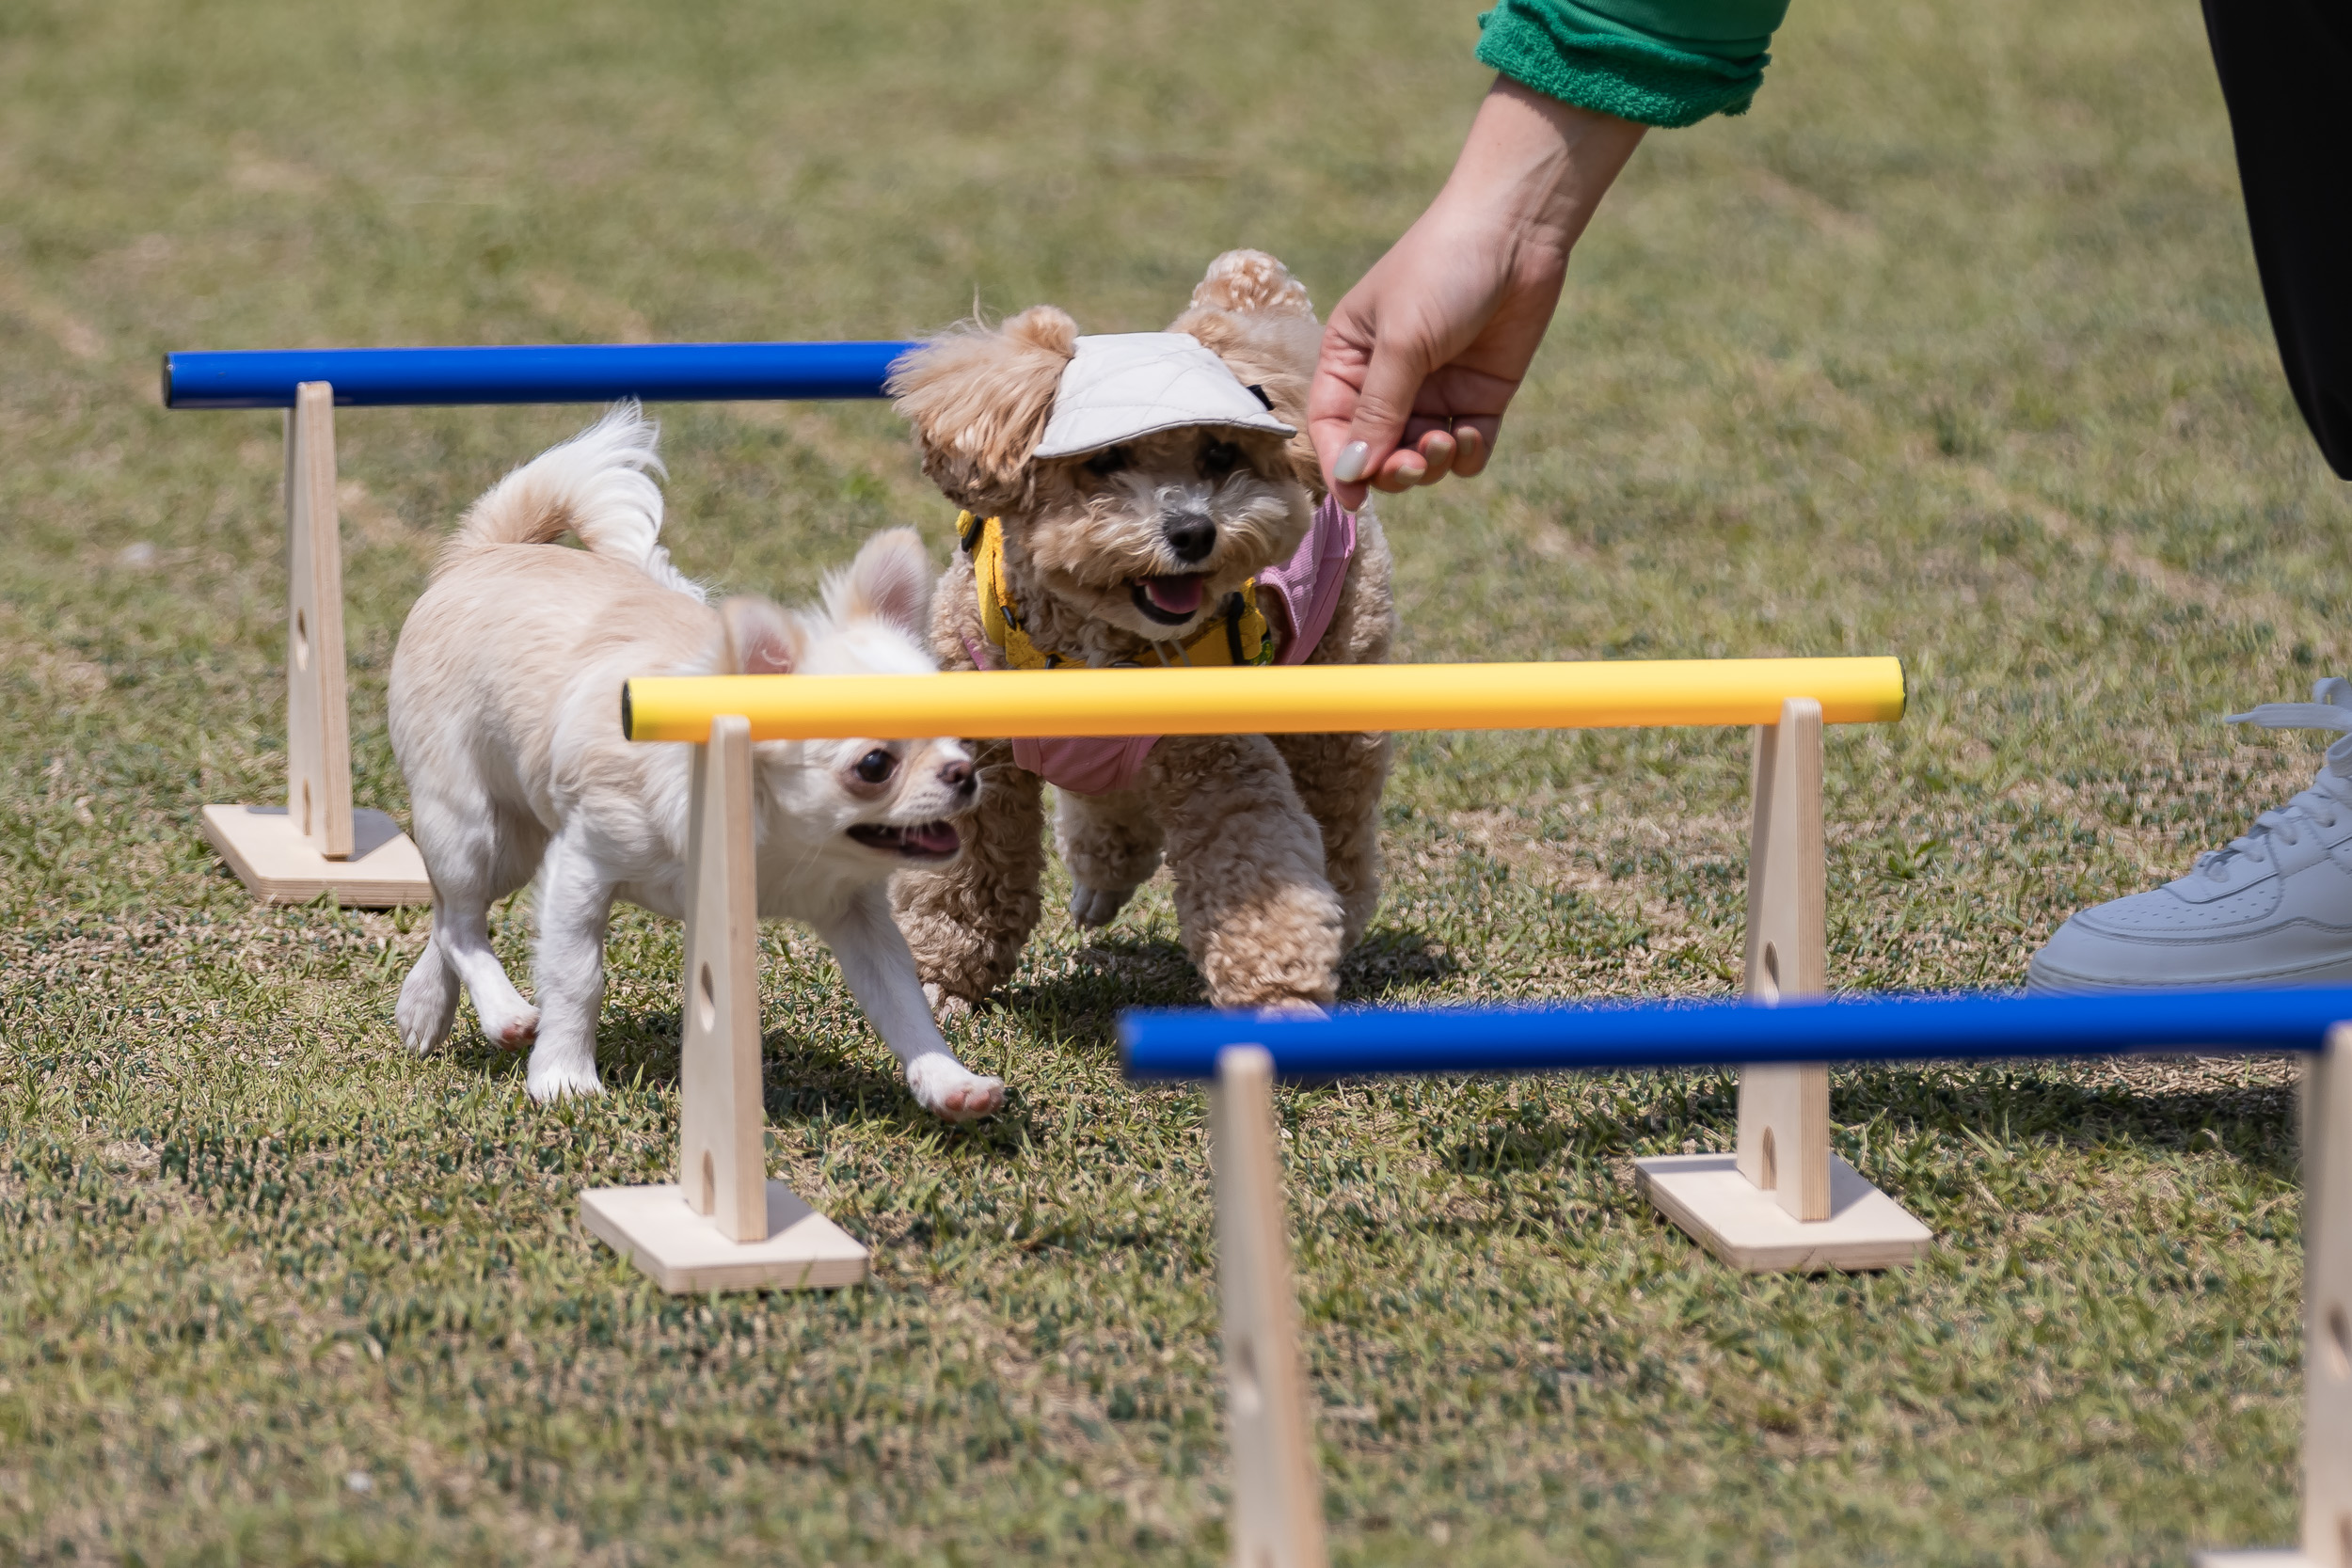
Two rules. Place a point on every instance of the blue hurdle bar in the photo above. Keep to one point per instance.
(1361, 1041)
(562, 373)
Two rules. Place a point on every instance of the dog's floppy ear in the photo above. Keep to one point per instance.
(762, 638)
(978, 398)
(1252, 313)
(890, 580)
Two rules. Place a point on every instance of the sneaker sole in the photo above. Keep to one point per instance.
(2045, 980)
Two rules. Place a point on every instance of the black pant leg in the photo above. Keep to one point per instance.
(2286, 72)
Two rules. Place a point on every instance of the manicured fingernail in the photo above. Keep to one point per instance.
(1353, 460)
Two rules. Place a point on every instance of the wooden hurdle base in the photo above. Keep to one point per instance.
(316, 842)
(723, 1225)
(265, 848)
(1745, 1226)
(658, 1230)
(1783, 1203)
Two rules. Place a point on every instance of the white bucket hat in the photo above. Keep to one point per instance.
(1119, 386)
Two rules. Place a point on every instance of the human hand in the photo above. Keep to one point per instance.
(1422, 355)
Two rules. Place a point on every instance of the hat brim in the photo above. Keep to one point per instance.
(1125, 386)
(1077, 445)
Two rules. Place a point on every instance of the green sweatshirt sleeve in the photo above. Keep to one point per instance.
(1662, 62)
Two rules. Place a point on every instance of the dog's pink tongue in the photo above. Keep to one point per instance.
(1177, 595)
(933, 838)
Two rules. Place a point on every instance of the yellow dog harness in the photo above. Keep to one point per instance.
(1238, 634)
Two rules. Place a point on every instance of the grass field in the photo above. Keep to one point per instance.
(1952, 348)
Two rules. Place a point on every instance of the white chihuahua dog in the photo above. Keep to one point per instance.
(505, 715)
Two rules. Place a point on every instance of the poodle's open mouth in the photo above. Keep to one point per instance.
(1171, 601)
(919, 841)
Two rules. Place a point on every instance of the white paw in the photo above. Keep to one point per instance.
(1095, 906)
(428, 1003)
(513, 1028)
(947, 1088)
(1295, 1008)
(553, 1080)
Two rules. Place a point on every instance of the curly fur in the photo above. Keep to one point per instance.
(1273, 841)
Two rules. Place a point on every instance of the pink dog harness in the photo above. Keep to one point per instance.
(1306, 589)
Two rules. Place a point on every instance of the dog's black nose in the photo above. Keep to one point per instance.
(957, 775)
(1192, 536)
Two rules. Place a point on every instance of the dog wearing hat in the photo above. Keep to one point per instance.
(1151, 500)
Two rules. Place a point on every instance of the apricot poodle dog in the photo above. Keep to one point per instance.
(1152, 499)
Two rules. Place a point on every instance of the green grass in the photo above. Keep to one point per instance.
(1952, 348)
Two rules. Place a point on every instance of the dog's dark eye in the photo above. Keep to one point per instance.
(876, 766)
(1107, 462)
(1218, 458)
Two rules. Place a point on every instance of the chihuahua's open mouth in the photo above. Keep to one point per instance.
(919, 841)
(1171, 601)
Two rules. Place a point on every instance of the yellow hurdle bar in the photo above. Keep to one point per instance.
(1277, 699)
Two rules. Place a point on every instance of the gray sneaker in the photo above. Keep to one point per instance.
(2274, 909)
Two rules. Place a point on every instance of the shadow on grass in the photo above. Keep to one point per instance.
(2027, 1101)
(822, 1098)
(1081, 1005)
(803, 1081)
(1390, 956)
(2015, 1108)
(468, 1048)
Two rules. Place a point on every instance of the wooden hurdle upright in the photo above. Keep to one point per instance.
(1275, 1519)
(2326, 1124)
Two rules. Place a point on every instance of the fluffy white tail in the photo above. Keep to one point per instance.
(597, 487)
